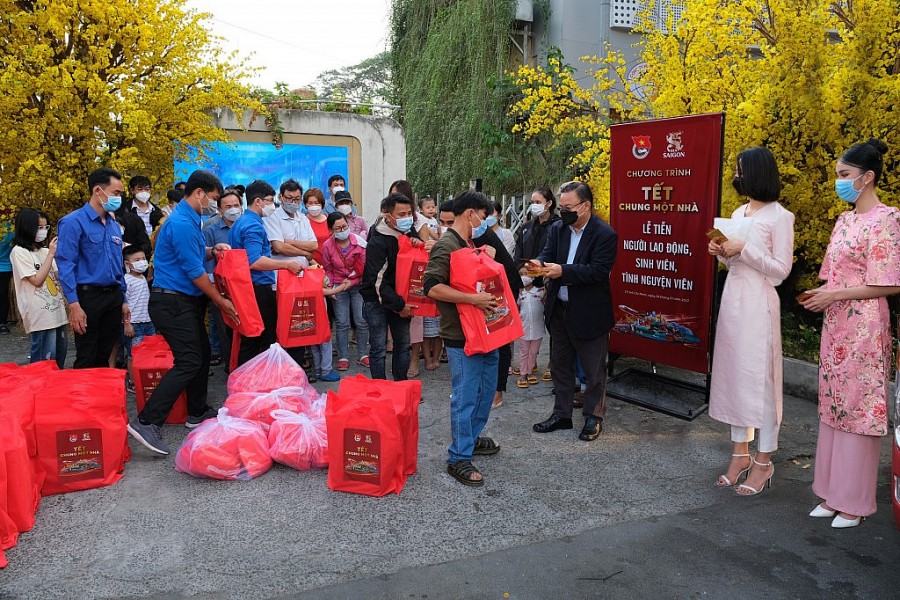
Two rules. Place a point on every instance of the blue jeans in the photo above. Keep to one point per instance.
(50, 343)
(141, 330)
(214, 344)
(379, 320)
(474, 381)
(343, 303)
(322, 359)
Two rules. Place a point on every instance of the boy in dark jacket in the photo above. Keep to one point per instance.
(383, 307)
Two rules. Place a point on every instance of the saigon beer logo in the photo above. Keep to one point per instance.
(640, 146)
(674, 145)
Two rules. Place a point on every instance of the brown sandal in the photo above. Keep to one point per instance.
(463, 471)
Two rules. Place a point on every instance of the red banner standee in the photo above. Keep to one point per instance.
(664, 195)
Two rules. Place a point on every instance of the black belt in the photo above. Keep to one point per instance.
(159, 290)
(84, 287)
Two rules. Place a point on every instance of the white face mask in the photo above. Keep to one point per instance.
(315, 210)
(339, 188)
(537, 210)
(143, 197)
(41, 236)
(139, 266)
(269, 209)
(232, 214)
(345, 209)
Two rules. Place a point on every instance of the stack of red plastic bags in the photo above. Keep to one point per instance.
(373, 433)
(271, 413)
(62, 431)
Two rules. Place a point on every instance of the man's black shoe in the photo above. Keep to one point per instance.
(552, 424)
(592, 428)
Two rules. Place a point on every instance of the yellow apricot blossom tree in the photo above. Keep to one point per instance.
(123, 83)
(805, 78)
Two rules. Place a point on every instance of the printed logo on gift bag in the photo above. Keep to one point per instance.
(79, 454)
(303, 318)
(416, 281)
(362, 455)
(500, 316)
(150, 380)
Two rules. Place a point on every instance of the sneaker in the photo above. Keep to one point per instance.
(364, 361)
(343, 364)
(193, 421)
(4, 329)
(330, 376)
(149, 436)
(129, 386)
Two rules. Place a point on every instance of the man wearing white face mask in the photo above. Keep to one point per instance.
(249, 233)
(150, 215)
(289, 231)
(344, 205)
(215, 231)
(336, 183)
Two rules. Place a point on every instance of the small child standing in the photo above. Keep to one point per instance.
(531, 309)
(38, 294)
(138, 294)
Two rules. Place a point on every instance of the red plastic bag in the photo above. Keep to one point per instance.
(150, 361)
(225, 448)
(80, 422)
(232, 275)
(302, 397)
(267, 371)
(298, 441)
(404, 396)
(302, 316)
(472, 271)
(365, 447)
(254, 406)
(411, 264)
(22, 495)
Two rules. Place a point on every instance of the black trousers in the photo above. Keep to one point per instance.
(503, 366)
(592, 354)
(268, 310)
(5, 279)
(179, 319)
(103, 307)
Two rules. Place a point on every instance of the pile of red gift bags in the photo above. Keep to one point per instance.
(62, 431)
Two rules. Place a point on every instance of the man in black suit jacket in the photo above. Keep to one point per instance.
(578, 257)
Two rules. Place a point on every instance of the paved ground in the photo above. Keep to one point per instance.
(634, 514)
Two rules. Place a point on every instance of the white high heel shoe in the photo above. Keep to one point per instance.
(821, 511)
(723, 480)
(842, 523)
(752, 491)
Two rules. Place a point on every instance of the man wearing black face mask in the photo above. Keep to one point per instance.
(576, 260)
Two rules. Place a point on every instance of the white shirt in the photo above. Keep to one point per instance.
(509, 242)
(573, 248)
(531, 309)
(280, 227)
(43, 307)
(145, 217)
(138, 294)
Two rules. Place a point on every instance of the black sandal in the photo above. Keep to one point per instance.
(215, 360)
(462, 471)
(485, 446)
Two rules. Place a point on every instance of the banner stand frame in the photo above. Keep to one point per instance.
(688, 415)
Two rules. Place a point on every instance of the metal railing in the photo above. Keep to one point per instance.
(514, 209)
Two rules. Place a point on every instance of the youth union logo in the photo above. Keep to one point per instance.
(641, 146)
(674, 147)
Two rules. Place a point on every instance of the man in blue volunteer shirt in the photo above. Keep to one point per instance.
(249, 233)
(177, 308)
(89, 258)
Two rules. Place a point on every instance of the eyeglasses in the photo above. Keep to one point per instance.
(292, 199)
(44, 228)
(574, 207)
(340, 229)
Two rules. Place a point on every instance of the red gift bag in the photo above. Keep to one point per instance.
(232, 276)
(150, 361)
(365, 447)
(298, 440)
(404, 396)
(411, 263)
(80, 422)
(22, 495)
(302, 316)
(472, 271)
(9, 533)
(225, 448)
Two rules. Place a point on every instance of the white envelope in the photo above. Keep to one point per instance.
(734, 229)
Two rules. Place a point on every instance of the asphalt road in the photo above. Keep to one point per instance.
(635, 514)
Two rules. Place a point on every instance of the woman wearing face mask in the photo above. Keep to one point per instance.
(746, 374)
(314, 201)
(344, 205)
(493, 223)
(861, 267)
(344, 260)
(38, 293)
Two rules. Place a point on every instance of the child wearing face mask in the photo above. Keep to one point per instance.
(38, 294)
(138, 293)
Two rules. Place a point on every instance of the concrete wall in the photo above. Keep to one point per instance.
(377, 146)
